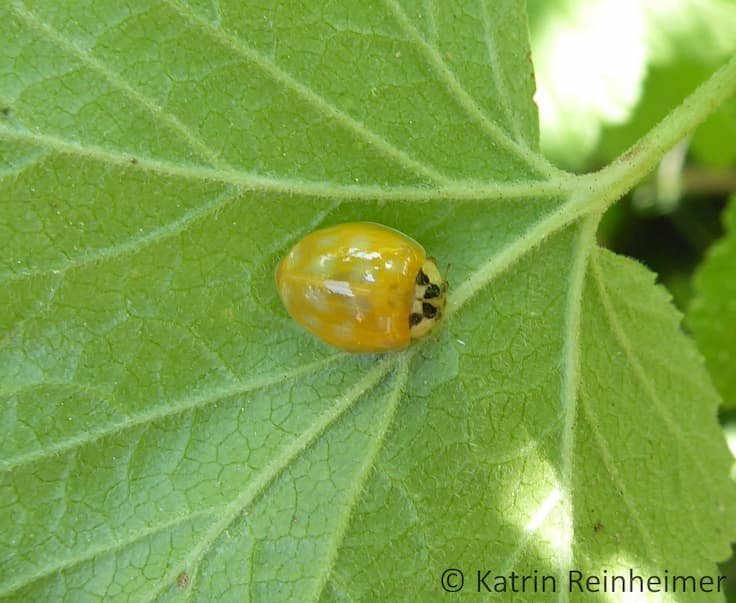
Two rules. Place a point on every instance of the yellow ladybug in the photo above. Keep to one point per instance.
(362, 287)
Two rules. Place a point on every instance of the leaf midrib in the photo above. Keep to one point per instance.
(330, 111)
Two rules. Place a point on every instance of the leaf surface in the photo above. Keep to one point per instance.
(169, 432)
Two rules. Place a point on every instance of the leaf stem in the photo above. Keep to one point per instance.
(630, 167)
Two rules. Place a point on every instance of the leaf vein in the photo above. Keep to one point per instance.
(641, 375)
(316, 100)
(148, 104)
(468, 190)
(99, 549)
(158, 412)
(610, 465)
(364, 471)
(496, 73)
(270, 472)
(570, 390)
(133, 244)
(502, 261)
(466, 101)
(14, 170)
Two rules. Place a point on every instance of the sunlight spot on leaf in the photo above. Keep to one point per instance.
(544, 510)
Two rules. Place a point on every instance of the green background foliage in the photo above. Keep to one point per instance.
(712, 314)
(607, 71)
(171, 434)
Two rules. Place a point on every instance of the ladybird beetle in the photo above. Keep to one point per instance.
(362, 287)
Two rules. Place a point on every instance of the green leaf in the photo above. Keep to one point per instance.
(712, 312)
(171, 434)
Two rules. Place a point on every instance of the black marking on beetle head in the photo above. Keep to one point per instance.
(415, 318)
(422, 279)
(432, 290)
(429, 310)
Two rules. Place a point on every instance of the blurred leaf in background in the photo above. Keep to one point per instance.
(609, 69)
(712, 313)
